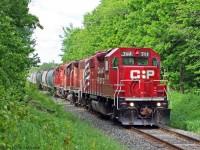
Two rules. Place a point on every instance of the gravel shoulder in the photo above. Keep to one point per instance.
(115, 131)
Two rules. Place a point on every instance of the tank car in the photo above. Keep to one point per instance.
(39, 79)
(50, 78)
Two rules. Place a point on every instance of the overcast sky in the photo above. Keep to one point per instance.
(53, 15)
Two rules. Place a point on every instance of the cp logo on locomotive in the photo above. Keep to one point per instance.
(145, 74)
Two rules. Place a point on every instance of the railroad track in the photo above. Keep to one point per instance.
(162, 138)
(169, 139)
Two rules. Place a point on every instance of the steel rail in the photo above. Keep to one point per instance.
(193, 140)
(155, 139)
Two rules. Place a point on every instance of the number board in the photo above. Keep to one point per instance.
(144, 54)
(126, 54)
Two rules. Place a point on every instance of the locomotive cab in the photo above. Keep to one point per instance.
(140, 97)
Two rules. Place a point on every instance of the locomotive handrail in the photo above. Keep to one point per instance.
(131, 87)
(120, 89)
(71, 78)
(169, 100)
(152, 81)
(156, 80)
(123, 84)
(170, 94)
(117, 88)
(81, 87)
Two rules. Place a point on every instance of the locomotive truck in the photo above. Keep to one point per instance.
(123, 83)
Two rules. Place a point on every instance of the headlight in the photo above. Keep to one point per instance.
(143, 72)
(131, 104)
(158, 104)
(143, 76)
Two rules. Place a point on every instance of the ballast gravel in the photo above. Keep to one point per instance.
(124, 137)
(130, 140)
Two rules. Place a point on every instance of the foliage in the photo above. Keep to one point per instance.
(170, 27)
(185, 112)
(54, 129)
(44, 66)
(16, 26)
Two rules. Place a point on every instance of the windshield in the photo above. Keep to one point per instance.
(142, 61)
(128, 61)
(135, 61)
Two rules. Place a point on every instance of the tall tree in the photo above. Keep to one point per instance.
(16, 26)
(170, 27)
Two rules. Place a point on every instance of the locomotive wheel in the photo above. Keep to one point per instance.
(76, 104)
(90, 108)
(113, 115)
(87, 107)
(62, 94)
(83, 102)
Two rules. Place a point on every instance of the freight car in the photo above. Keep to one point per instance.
(123, 83)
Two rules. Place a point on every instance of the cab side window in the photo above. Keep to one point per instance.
(115, 62)
(106, 65)
(154, 62)
(57, 72)
(128, 61)
(68, 70)
(91, 63)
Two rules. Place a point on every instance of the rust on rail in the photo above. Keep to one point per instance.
(180, 135)
(155, 139)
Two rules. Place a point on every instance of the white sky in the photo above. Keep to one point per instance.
(53, 15)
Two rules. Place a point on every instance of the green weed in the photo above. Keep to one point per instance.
(185, 112)
(47, 125)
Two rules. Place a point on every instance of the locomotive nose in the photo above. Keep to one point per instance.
(138, 80)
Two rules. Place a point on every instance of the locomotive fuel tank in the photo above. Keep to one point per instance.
(99, 107)
(70, 98)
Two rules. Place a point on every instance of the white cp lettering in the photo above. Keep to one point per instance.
(136, 74)
(150, 73)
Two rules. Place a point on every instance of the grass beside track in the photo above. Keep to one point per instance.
(185, 112)
(48, 126)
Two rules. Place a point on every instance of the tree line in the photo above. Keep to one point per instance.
(170, 27)
(16, 45)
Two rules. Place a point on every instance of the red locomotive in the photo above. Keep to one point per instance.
(123, 83)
